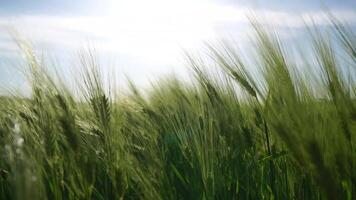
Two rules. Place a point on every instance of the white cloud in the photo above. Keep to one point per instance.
(152, 27)
(298, 20)
(153, 32)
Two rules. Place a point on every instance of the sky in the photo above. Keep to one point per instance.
(144, 39)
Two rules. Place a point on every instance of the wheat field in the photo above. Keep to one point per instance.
(282, 132)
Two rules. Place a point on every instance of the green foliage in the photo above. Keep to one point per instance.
(226, 135)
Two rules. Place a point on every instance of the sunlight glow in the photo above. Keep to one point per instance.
(158, 29)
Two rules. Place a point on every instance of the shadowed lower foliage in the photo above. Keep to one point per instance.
(284, 133)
